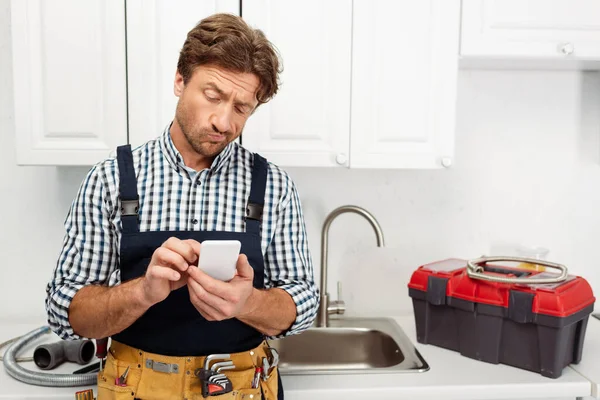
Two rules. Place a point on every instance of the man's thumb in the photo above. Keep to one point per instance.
(243, 267)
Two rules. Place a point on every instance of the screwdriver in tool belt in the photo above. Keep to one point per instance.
(120, 381)
(101, 349)
(256, 379)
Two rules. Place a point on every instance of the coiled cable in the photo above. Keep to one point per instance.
(12, 367)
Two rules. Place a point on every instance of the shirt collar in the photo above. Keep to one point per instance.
(175, 159)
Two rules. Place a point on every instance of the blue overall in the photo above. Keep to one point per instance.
(174, 327)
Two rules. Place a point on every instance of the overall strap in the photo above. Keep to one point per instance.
(254, 210)
(128, 195)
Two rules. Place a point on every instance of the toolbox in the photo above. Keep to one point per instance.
(503, 313)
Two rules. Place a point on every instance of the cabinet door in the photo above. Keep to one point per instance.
(307, 123)
(531, 28)
(404, 72)
(69, 80)
(156, 31)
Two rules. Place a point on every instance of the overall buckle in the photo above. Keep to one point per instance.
(130, 207)
(254, 211)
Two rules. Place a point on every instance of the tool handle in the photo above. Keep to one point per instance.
(476, 271)
(85, 395)
(101, 347)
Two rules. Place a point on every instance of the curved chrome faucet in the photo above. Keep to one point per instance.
(338, 306)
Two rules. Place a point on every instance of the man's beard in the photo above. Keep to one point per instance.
(198, 137)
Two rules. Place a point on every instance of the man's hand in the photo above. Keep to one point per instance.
(168, 268)
(217, 300)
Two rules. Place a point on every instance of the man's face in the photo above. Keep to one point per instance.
(213, 107)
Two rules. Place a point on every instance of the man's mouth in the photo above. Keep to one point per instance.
(216, 138)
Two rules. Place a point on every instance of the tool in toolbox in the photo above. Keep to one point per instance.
(497, 313)
(213, 381)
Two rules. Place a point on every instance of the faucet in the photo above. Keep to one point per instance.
(338, 306)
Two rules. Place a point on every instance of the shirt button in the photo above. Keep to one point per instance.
(194, 221)
(198, 183)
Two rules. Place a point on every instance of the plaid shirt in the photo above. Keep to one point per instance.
(174, 197)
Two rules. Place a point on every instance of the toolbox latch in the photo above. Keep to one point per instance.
(519, 306)
(436, 290)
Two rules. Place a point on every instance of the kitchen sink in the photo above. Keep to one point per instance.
(349, 345)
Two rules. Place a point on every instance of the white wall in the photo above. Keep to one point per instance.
(527, 169)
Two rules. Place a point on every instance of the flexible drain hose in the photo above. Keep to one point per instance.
(41, 378)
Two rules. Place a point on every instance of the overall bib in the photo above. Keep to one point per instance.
(165, 347)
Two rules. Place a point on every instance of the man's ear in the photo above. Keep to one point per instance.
(178, 85)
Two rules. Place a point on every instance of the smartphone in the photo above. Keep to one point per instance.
(218, 258)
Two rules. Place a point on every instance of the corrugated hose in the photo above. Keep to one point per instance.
(12, 367)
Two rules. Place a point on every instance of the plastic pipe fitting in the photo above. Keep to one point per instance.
(51, 355)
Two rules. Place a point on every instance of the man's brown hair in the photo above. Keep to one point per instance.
(226, 41)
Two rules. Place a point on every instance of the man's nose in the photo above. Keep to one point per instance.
(220, 120)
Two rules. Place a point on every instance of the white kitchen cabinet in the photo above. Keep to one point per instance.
(346, 99)
(308, 121)
(404, 73)
(370, 85)
(69, 80)
(529, 29)
(156, 31)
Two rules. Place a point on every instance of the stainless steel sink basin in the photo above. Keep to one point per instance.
(350, 345)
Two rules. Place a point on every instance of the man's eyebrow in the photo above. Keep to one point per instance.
(217, 89)
(242, 104)
(214, 87)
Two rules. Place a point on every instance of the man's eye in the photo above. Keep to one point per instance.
(240, 110)
(211, 96)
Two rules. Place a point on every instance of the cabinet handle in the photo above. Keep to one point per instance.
(566, 48)
(446, 162)
(341, 159)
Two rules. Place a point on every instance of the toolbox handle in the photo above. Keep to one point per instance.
(476, 271)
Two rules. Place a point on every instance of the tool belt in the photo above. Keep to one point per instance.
(131, 374)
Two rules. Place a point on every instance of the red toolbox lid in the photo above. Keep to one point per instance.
(446, 280)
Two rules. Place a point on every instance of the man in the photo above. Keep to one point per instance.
(128, 267)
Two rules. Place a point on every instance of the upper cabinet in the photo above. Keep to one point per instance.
(365, 84)
(550, 29)
(369, 85)
(69, 80)
(156, 31)
(404, 73)
(308, 122)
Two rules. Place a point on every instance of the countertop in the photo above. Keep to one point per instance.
(451, 376)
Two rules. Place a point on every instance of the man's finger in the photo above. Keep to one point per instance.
(210, 284)
(213, 300)
(168, 257)
(209, 312)
(195, 247)
(158, 272)
(183, 248)
(243, 267)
